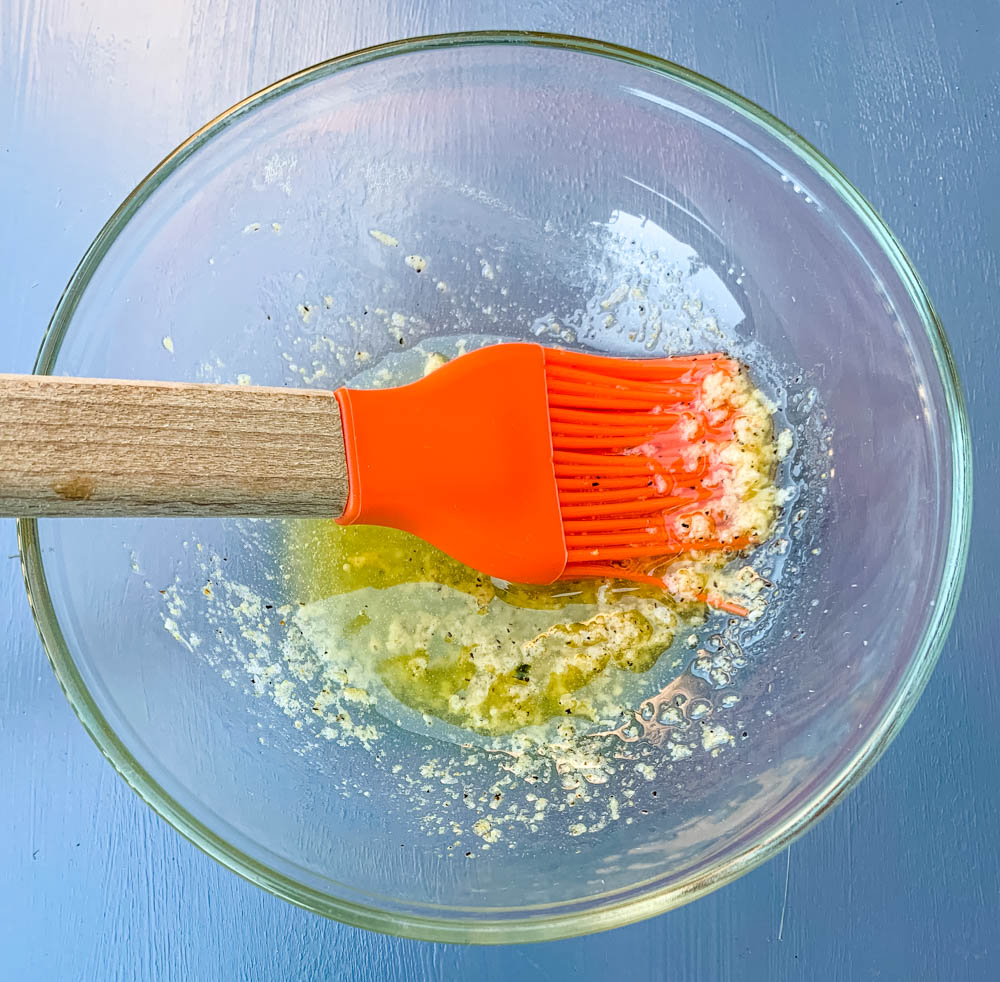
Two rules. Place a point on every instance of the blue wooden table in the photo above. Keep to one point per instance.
(900, 882)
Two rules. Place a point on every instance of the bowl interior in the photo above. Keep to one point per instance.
(554, 193)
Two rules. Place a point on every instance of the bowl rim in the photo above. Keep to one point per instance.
(642, 900)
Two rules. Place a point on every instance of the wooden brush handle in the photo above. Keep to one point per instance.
(103, 447)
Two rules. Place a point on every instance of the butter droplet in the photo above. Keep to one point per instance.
(383, 237)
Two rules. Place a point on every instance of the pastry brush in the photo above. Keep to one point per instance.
(528, 463)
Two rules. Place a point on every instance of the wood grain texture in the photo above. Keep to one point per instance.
(902, 882)
(111, 447)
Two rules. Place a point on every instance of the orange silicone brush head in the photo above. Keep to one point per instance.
(462, 458)
(533, 464)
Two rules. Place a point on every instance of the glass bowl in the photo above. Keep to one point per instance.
(511, 185)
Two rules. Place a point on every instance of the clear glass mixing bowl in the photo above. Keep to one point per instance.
(555, 188)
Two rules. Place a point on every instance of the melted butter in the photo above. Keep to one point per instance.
(450, 642)
(492, 657)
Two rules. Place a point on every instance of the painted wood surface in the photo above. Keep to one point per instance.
(900, 882)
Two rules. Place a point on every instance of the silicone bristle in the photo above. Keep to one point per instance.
(631, 445)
